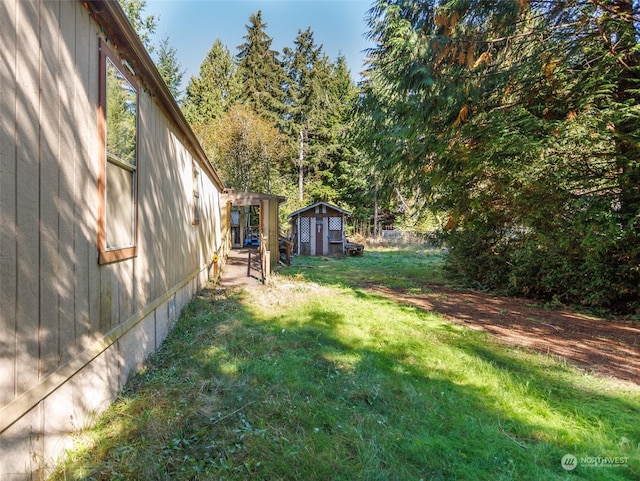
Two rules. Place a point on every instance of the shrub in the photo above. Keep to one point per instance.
(593, 260)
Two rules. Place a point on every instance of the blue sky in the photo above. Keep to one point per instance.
(193, 26)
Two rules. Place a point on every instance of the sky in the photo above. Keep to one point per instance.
(192, 27)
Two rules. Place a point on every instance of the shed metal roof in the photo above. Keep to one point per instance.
(313, 206)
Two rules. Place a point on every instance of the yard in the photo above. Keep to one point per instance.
(373, 369)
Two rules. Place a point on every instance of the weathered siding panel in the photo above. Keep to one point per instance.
(149, 154)
(68, 78)
(28, 195)
(49, 160)
(88, 280)
(21, 436)
(8, 252)
(213, 221)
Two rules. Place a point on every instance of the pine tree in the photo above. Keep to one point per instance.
(216, 88)
(336, 158)
(260, 72)
(169, 67)
(319, 95)
(302, 96)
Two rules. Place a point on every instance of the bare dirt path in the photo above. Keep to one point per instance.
(604, 347)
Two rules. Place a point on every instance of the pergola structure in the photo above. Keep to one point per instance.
(268, 225)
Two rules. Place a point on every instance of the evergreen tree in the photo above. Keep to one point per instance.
(337, 159)
(167, 62)
(520, 118)
(169, 67)
(216, 88)
(319, 94)
(303, 92)
(144, 26)
(260, 72)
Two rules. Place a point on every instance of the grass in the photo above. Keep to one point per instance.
(398, 268)
(318, 379)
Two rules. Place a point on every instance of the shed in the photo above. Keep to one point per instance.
(319, 230)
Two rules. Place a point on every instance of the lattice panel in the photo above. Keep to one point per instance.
(335, 223)
(305, 229)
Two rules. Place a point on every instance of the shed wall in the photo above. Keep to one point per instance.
(71, 330)
(305, 226)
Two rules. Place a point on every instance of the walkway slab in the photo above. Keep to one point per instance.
(237, 273)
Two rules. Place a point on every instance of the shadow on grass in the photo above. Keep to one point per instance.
(518, 426)
(330, 391)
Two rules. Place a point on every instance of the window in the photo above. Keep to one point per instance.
(335, 229)
(196, 195)
(305, 229)
(235, 216)
(117, 181)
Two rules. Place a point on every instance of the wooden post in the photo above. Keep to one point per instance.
(266, 267)
(214, 260)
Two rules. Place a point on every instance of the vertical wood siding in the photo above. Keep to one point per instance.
(72, 330)
(8, 211)
(28, 196)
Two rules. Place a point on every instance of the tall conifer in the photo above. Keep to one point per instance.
(260, 72)
(209, 94)
(521, 119)
(169, 67)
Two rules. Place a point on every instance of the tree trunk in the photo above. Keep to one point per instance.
(626, 130)
(300, 167)
(375, 216)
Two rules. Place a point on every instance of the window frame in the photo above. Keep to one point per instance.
(335, 235)
(196, 204)
(108, 255)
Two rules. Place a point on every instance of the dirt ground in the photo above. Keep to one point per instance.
(601, 346)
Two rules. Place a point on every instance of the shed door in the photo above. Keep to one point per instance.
(319, 237)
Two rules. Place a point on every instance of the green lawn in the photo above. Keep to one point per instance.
(316, 378)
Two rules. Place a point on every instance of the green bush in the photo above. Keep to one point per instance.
(593, 260)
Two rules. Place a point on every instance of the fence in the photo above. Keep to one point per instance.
(397, 237)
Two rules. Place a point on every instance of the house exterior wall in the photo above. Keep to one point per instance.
(73, 330)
